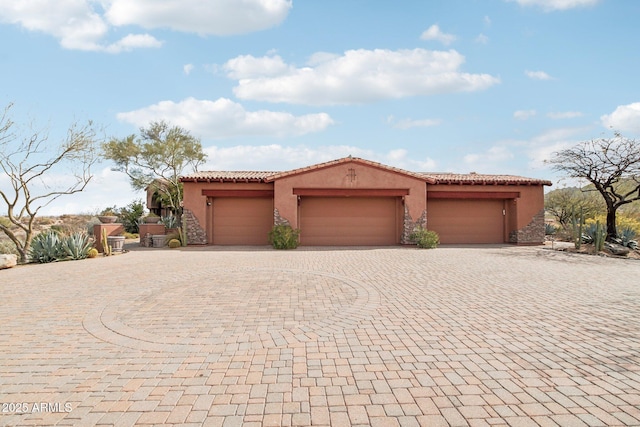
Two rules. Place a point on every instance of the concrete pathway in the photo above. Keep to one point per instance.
(479, 336)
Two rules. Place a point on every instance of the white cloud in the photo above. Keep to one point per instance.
(133, 41)
(276, 157)
(434, 33)
(485, 162)
(216, 17)
(224, 118)
(524, 114)
(187, 68)
(411, 123)
(552, 5)
(481, 39)
(357, 76)
(85, 24)
(542, 146)
(625, 118)
(538, 75)
(487, 21)
(564, 115)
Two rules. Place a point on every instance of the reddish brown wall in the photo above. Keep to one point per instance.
(525, 215)
(338, 177)
(195, 204)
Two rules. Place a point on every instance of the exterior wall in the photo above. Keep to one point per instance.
(197, 211)
(339, 177)
(524, 215)
(113, 229)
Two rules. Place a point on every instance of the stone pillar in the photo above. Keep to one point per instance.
(409, 225)
(532, 233)
(196, 235)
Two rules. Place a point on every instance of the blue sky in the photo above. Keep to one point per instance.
(492, 86)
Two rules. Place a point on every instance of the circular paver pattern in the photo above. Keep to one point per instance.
(257, 307)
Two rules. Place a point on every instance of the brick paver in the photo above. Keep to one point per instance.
(332, 336)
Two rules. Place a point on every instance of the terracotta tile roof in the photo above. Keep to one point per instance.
(428, 177)
(482, 179)
(227, 176)
(347, 160)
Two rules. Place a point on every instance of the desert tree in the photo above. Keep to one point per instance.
(156, 159)
(565, 203)
(611, 165)
(37, 171)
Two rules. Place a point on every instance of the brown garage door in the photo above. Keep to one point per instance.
(466, 221)
(241, 221)
(347, 221)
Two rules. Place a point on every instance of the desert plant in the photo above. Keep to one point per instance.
(425, 239)
(626, 236)
(550, 229)
(174, 243)
(105, 243)
(110, 211)
(128, 235)
(130, 216)
(170, 221)
(8, 247)
(75, 246)
(46, 247)
(177, 235)
(577, 223)
(92, 253)
(284, 237)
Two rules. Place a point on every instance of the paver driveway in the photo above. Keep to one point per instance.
(383, 337)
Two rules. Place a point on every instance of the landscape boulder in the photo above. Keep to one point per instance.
(8, 261)
(616, 249)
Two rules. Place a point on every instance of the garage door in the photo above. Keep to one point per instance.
(466, 221)
(347, 221)
(241, 221)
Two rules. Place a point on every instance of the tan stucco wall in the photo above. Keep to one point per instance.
(337, 177)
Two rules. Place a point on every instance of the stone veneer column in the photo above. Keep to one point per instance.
(196, 235)
(532, 233)
(279, 220)
(409, 225)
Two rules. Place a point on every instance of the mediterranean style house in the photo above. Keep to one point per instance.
(357, 202)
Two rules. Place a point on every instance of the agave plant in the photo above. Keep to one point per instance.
(45, 247)
(626, 236)
(76, 246)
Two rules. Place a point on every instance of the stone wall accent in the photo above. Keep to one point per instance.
(532, 233)
(196, 235)
(409, 225)
(279, 220)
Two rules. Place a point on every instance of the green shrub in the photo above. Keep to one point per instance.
(284, 237)
(8, 247)
(423, 238)
(45, 247)
(131, 215)
(174, 243)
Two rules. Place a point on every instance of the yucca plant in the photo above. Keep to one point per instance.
(75, 246)
(45, 247)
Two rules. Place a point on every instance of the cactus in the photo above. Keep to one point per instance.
(599, 237)
(92, 253)
(183, 230)
(576, 225)
(105, 243)
(174, 243)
